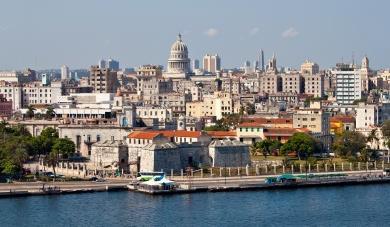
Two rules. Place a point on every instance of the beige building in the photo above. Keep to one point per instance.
(310, 68)
(316, 120)
(270, 83)
(292, 83)
(103, 80)
(150, 70)
(218, 105)
(314, 85)
(211, 63)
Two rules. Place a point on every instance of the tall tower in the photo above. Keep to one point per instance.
(102, 63)
(365, 63)
(113, 65)
(195, 65)
(211, 63)
(261, 60)
(64, 72)
(271, 67)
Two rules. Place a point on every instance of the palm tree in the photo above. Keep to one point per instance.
(50, 113)
(30, 112)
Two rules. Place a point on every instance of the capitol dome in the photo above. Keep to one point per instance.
(179, 46)
(178, 62)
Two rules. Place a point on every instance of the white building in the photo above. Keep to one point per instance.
(64, 72)
(34, 93)
(178, 63)
(371, 115)
(348, 84)
(163, 114)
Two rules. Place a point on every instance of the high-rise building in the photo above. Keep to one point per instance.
(195, 64)
(103, 80)
(261, 60)
(45, 79)
(113, 65)
(211, 63)
(348, 83)
(102, 64)
(64, 72)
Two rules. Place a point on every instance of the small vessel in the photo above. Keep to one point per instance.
(157, 184)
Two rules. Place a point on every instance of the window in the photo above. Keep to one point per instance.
(97, 138)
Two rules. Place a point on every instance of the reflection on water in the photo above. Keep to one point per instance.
(333, 206)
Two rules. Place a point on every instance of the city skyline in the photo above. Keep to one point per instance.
(77, 35)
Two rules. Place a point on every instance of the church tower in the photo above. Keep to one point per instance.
(271, 67)
(365, 63)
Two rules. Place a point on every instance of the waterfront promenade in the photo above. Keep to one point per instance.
(191, 183)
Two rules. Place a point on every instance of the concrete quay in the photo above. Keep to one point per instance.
(188, 184)
(56, 188)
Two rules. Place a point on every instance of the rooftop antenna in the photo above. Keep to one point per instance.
(353, 58)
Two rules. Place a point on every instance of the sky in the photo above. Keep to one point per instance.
(45, 34)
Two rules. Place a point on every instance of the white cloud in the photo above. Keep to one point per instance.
(290, 33)
(211, 32)
(254, 31)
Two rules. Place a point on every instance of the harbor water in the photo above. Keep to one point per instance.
(365, 205)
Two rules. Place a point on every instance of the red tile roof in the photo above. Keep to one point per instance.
(168, 133)
(143, 135)
(283, 131)
(220, 134)
(261, 122)
(344, 119)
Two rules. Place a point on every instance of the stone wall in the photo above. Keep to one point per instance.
(157, 157)
(229, 154)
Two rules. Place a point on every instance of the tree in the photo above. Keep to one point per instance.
(275, 146)
(250, 109)
(43, 144)
(349, 144)
(301, 143)
(386, 132)
(264, 147)
(50, 113)
(52, 159)
(30, 112)
(226, 123)
(64, 147)
(49, 132)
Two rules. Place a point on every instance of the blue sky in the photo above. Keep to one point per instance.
(48, 33)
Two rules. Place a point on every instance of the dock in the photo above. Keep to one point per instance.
(183, 186)
(36, 189)
(256, 185)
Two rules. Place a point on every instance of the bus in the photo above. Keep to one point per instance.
(145, 176)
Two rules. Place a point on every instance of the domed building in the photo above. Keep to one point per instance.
(178, 62)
